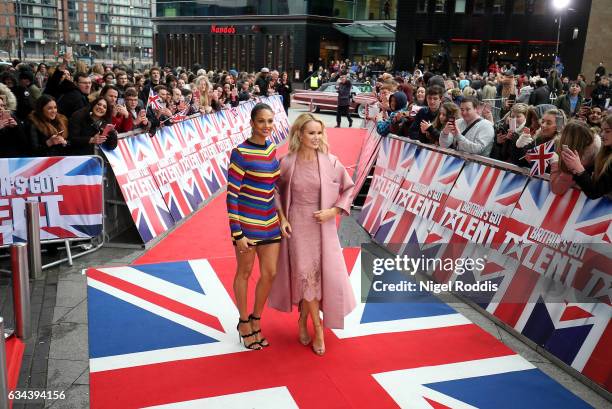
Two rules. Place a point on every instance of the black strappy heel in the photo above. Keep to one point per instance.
(253, 345)
(263, 342)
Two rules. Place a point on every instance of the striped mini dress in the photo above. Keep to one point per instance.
(251, 207)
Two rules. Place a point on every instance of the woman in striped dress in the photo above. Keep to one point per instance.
(253, 219)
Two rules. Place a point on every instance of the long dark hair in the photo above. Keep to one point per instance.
(107, 118)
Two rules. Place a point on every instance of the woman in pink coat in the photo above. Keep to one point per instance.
(312, 190)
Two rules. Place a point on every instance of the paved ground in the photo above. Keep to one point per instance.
(56, 358)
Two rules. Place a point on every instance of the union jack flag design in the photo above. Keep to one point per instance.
(540, 156)
(154, 100)
(177, 332)
(394, 160)
(130, 162)
(558, 242)
(421, 197)
(69, 190)
(475, 213)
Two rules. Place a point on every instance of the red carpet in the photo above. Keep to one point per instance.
(147, 348)
(206, 234)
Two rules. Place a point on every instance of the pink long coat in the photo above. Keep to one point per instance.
(337, 299)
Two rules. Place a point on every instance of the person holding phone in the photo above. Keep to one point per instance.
(120, 116)
(47, 129)
(89, 128)
(12, 137)
(576, 139)
(138, 115)
(508, 130)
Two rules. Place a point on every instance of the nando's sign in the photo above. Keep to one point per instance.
(222, 29)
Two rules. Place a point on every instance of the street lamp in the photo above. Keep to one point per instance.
(559, 5)
(42, 44)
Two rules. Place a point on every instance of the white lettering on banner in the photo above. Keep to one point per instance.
(19, 185)
(543, 259)
(134, 190)
(421, 206)
(384, 186)
(137, 174)
(224, 145)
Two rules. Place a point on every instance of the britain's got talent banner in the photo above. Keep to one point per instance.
(548, 255)
(165, 177)
(68, 188)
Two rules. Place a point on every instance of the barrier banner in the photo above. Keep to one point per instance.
(130, 162)
(69, 189)
(420, 198)
(548, 255)
(394, 159)
(555, 265)
(165, 177)
(475, 215)
(367, 156)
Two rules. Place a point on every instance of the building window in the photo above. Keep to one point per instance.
(459, 6)
(422, 6)
(538, 6)
(498, 6)
(519, 7)
(440, 6)
(479, 6)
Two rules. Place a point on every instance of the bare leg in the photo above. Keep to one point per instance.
(318, 345)
(244, 268)
(303, 324)
(268, 257)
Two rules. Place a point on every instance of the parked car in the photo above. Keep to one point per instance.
(4, 58)
(326, 98)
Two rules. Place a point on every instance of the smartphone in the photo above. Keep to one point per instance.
(120, 101)
(142, 112)
(451, 120)
(512, 124)
(587, 103)
(6, 115)
(108, 129)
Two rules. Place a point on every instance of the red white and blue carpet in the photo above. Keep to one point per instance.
(163, 335)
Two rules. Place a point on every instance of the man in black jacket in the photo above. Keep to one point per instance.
(422, 126)
(74, 94)
(540, 95)
(601, 93)
(344, 100)
(153, 82)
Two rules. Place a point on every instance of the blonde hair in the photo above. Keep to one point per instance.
(298, 127)
(603, 160)
(577, 136)
(469, 92)
(203, 93)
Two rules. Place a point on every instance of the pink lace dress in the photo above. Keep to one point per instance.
(305, 242)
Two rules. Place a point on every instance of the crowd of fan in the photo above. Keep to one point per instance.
(70, 108)
(504, 116)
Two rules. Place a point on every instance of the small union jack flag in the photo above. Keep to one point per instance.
(540, 157)
(179, 116)
(154, 100)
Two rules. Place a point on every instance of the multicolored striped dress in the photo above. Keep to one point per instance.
(251, 176)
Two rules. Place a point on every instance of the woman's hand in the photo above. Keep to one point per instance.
(56, 140)
(425, 126)
(321, 216)
(572, 160)
(97, 139)
(244, 243)
(285, 228)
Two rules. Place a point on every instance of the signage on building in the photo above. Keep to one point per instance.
(222, 29)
